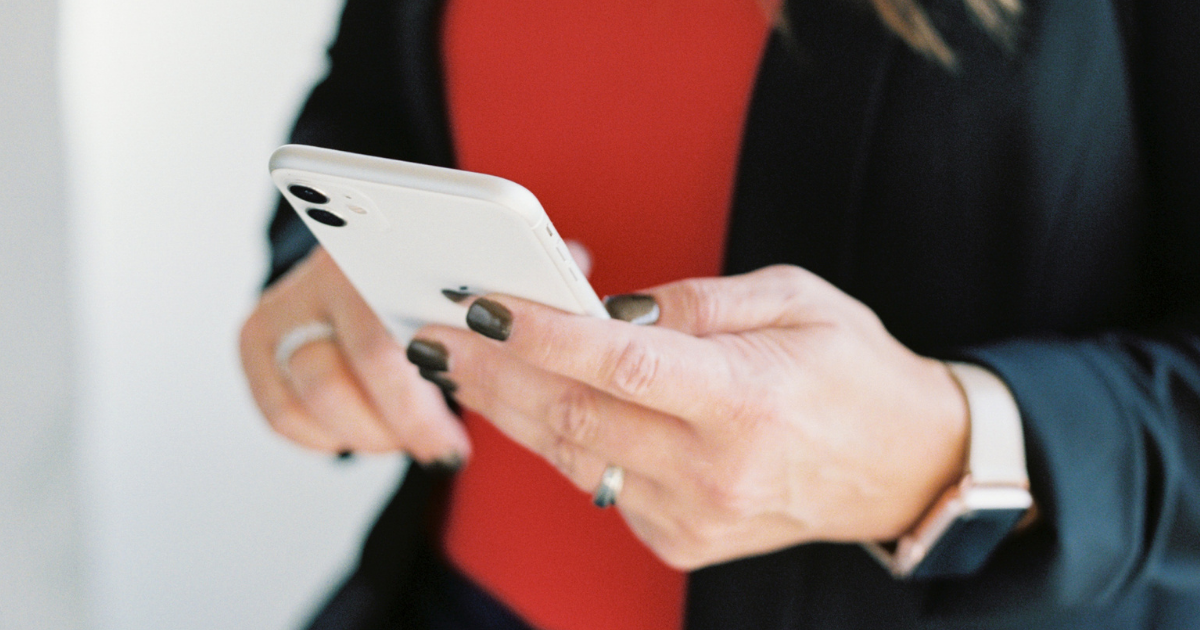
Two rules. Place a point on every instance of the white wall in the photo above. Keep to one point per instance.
(194, 515)
(39, 577)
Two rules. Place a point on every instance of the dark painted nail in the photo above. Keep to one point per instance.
(446, 465)
(640, 310)
(437, 378)
(429, 355)
(490, 319)
(452, 404)
(458, 297)
(345, 456)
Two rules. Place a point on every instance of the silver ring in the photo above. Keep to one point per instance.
(610, 486)
(297, 338)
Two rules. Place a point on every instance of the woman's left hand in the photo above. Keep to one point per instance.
(759, 412)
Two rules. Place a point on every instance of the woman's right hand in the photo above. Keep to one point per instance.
(354, 392)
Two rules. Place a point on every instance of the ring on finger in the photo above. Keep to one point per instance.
(610, 486)
(297, 338)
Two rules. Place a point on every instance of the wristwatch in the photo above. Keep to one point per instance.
(958, 534)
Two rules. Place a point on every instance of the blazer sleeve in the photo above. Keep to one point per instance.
(1112, 421)
(1108, 388)
(382, 96)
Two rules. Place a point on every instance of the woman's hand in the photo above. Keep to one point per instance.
(353, 392)
(761, 411)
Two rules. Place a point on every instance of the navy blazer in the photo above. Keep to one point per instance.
(1036, 211)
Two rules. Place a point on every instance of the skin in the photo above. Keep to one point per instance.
(359, 393)
(759, 412)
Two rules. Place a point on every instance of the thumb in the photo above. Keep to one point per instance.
(581, 255)
(776, 296)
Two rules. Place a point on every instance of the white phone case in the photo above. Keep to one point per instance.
(411, 231)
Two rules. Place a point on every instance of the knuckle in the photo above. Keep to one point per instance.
(866, 318)
(733, 497)
(759, 417)
(575, 416)
(565, 458)
(792, 279)
(788, 273)
(702, 304)
(635, 368)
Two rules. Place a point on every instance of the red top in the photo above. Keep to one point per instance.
(624, 118)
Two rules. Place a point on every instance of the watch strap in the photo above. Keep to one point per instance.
(997, 442)
(971, 518)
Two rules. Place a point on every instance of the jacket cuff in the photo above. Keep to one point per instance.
(1089, 454)
(291, 241)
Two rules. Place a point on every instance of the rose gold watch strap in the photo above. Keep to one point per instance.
(995, 478)
(997, 443)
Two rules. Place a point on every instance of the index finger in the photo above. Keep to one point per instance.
(658, 368)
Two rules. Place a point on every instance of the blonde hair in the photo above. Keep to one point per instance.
(907, 19)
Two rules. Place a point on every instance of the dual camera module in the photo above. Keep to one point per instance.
(313, 196)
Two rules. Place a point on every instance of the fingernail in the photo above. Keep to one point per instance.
(437, 378)
(490, 319)
(458, 297)
(640, 310)
(429, 355)
(345, 456)
(446, 465)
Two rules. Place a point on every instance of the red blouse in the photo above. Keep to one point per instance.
(624, 118)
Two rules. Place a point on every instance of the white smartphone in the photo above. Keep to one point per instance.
(405, 233)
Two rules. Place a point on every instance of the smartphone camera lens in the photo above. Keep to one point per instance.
(308, 194)
(326, 217)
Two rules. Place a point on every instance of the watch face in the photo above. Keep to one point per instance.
(967, 543)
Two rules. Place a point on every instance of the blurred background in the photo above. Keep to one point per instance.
(138, 486)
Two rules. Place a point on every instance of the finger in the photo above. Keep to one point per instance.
(303, 407)
(413, 409)
(777, 296)
(273, 396)
(557, 417)
(654, 367)
(639, 496)
(325, 386)
(581, 256)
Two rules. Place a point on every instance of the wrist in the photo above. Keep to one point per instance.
(955, 430)
(991, 493)
(947, 432)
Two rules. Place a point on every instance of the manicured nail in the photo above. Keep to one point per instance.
(458, 297)
(452, 404)
(437, 378)
(640, 310)
(429, 355)
(345, 456)
(446, 465)
(490, 319)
